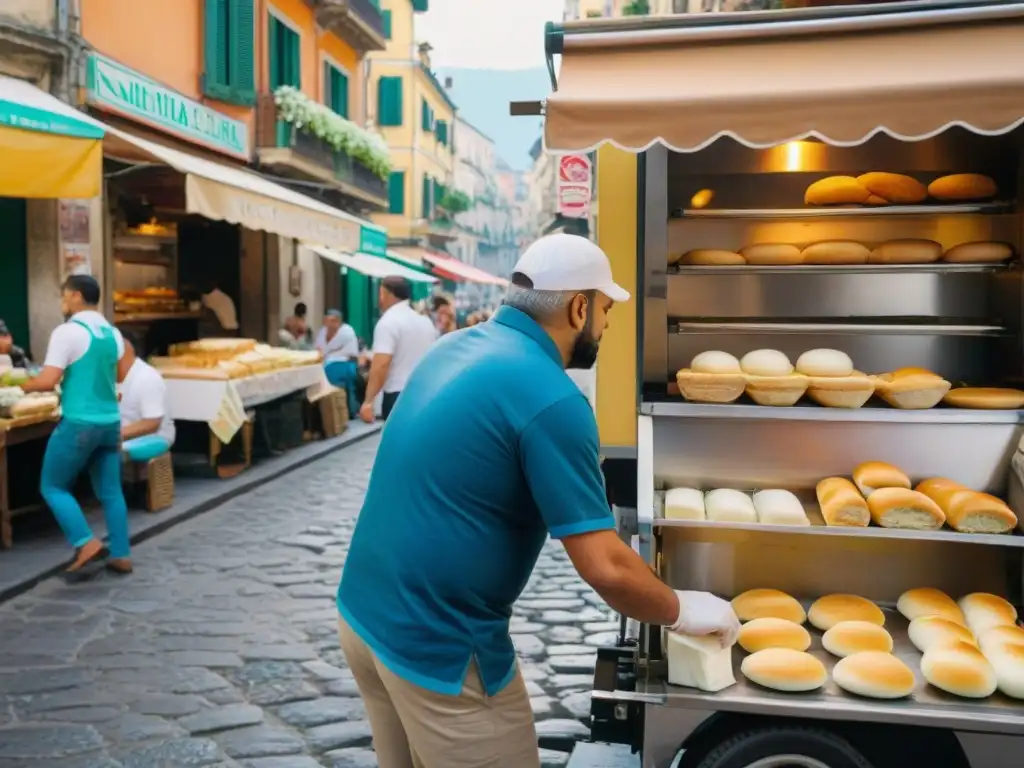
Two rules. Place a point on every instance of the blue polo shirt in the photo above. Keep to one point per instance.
(490, 448)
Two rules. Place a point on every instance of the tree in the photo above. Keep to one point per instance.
(637, 8)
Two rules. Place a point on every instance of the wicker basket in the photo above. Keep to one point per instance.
(334, 413)
(159, 483)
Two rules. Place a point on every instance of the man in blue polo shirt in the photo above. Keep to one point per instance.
(446, 540)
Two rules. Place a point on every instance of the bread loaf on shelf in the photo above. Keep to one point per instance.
(926, 601)
(758, 634)
(684, 504)
(771, 380)
(713, 377)
(824, 363)
(911, 388)
(987, 398)
(724, 505)
(783, 669)
(959, 668)
(849, 637)
(966, 510)
(836, 190)
(872, 475)
(711, 257)
(836, 252)
(772, 254)
(894, 188)
(908, 251)
(827, 611)
(927, 631)
(698, 662)
(900, 508)
(841, 503)
(963, 187)
(768, 603)
(1006, 634)
(779, 507)
(766, 362)
(875, 675)
(978, 253)
(984, 611)
(1007, 660)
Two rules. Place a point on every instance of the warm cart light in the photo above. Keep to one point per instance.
(794, 156)
(702, 199)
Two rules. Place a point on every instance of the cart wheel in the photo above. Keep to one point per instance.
(785, 748)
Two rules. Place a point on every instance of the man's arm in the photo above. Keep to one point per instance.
(59, 354)
(379, 367)
(46, 381)
(140, 428)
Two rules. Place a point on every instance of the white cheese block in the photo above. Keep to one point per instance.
(779, 507)
(684, 504)
(728, 506)
(698, 662)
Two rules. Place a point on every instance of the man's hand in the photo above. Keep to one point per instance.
(366, 413)
(701, 613)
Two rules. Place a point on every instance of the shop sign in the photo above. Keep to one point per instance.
(76, 255)
(573, 188)
(373, 241)
(115, 88)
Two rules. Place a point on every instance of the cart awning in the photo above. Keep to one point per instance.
(453, 269)
(840, 79)
(49, 148)
(225, 193)
(372, 266)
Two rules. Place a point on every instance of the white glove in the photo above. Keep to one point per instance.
(701, 613)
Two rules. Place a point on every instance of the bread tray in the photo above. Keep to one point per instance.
(869, 413)
(841, 212)
(840, 269)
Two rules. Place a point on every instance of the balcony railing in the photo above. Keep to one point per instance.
(352, 19)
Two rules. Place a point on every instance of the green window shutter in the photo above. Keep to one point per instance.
(336, 89)
(274, 52)
(215, 50)
(424, 115)
(387, 23)
(285, 55)
(294, 58)
(396, 192)
(428, 188)
(389, 101)
(442, 132)
(241, 66)
(421, 6)
(438, 192)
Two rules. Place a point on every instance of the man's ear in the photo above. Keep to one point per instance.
(579, 307)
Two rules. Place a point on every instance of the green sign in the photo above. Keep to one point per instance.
(116, 88)
(31, 118)
(373, 241)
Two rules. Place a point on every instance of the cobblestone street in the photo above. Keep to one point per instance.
(221, 649)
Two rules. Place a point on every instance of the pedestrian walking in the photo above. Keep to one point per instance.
(400, 339)
(85, 357)
(447, 539)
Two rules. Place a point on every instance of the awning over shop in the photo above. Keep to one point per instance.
(839, 78)
(48, 148)
(221, 192)
(453, 269)
(372, 266)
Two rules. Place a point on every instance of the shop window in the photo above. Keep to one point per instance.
(396, 192)
(285, 57)
(389, 101)
(442, 132)
(335, 89)
(228, 51)
(428, 193)
(387, 23)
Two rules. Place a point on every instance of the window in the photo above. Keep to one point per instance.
(442, 132)
(335, 89)
(428, 193)
(426, 116)
(389, 101)
(396, 192)
(421, 6)
(285, 55)
(228, 51)
(387, 23)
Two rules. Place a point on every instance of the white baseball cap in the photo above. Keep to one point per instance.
(569, 263)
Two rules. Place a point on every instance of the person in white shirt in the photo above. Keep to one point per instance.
(223, 308)
(339, 346)
(400, 339)
(146, 426)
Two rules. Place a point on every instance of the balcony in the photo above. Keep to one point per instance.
(360, 23)
(297, 153)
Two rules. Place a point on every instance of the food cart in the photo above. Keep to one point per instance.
(713, 134)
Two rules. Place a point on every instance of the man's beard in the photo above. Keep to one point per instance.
(584, 350)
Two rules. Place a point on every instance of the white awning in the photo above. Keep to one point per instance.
(372, 266)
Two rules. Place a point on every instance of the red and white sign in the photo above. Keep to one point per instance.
(574, 186)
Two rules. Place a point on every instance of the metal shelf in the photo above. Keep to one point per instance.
(939, 415)
(715, 326)
(814, 213)
(939, 268)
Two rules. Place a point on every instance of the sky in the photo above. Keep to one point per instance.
(487, 34)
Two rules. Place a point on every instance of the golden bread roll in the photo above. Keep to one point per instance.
(841, 391)
(976, 512)
(841, 503)
(709, 257)
(901, 373)
(836, 190)
(684, 504)
(826, 612)
(908, 251)
(978, 253)
(984, 611)
(702, 198)
(990, 398)
(824, 363)
(901, 508)
(1006, 634)
(849, 637)
(1007, 660)
(872, 475)
(894, 187)
(770, 254)
(874, 674)
(777, 391)
(769, 632)
(713, 377)
(962, 186)
(926, 601)
(783, 669)
(836, 252)
(768, 604)
(194, 374)
(959, 668)
(876, 200)
(928, 631)
(911, 391)
(765, 362)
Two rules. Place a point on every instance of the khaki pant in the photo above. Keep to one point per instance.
(416, 728)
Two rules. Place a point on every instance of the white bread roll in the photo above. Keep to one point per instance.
(975, 512)
(894, 188)
(769, 632)
(783, 669)
(771, 254)
(768, 603)
(710, 257)
(959, 668)
(849, 637)
(1007, 660)
(714, 361)
(962, 186)
(875, 674)
(841, 503)
(836, 190)
(900, 508)
(684, 504)
(836, 252)
(872, 475)
(906, 251)
(698, 662)
(824, 363)
(826, 612)
(766, 362)
(925, 601)
(927, 631)
(1007, 634)
(987, 398)
(984, 611)
(978, 253)
(779, 507)
(725, 505)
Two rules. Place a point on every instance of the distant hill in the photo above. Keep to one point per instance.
(483, 96)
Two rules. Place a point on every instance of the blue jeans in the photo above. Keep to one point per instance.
(74, 447)
(343, 373)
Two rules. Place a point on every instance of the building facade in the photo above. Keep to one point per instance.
(584, 9)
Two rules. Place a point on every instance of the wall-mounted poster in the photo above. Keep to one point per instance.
(76, 257)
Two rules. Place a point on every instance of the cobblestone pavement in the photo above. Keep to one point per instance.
(221, 649)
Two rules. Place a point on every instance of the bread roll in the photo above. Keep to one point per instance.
(872, 475)
(1008, 662)
(708, 257)
(766, 362)
(764, 633)
(849, 637)
(990, 398)
(824, 363)
(959, 668)
(974, 512)
(684, 504)
(725, 505)
(984, 611)
(698, 662)
(783, 669)
(769, 254)
(830, 610)
(900, 508)
(836, 190)
(925, 601)
(841, 391)
(927, 631)
(715, 362)
(908, 251)
(836, 252)
(768, 604)
(874, 674)
(713, 377)
(894, 187)
(779, 507)
(978, 253)
(876, 200)
(901, 373)
(909, 390)
(996, 637)
(777, 391)
(962, 186)
(841, 504)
